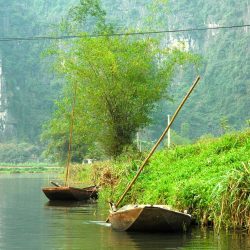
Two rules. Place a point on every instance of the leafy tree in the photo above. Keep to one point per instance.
(89, 14)
(118, 82)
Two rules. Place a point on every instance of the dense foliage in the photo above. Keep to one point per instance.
(117, 82)
(29, 84)
(20, 153)
(225, 88)
(224, 91)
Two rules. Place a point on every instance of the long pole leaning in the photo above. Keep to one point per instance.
(70, 138)
(158, 142)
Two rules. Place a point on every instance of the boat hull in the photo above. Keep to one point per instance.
(149, 219)
(70, 193)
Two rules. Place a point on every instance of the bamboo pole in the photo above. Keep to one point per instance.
(70, 138)
(158, 142)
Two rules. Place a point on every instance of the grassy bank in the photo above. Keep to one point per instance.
(211, 179)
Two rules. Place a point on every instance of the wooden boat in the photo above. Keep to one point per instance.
(149, 218)
(70, 193)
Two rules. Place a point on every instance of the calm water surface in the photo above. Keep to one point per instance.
(29, 221)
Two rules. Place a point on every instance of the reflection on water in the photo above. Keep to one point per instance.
(29, 221)
(61, 204)
(149, 241)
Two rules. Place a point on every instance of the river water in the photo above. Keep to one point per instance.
(29, 221)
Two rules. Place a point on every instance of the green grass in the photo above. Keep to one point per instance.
(209, 178)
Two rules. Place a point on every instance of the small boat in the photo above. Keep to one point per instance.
(64, 193)
(149, 218)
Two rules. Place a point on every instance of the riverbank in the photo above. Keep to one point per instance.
(7, 168)
(210, 179)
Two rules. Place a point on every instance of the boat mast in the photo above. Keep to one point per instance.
(158, 142)
(70, 137)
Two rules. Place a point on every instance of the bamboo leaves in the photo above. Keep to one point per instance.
(119, 82)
